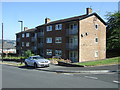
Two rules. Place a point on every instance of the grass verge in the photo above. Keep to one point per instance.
(110, 61)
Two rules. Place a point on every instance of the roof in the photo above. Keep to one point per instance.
(74, 18)
(28, 30)
(64, 20)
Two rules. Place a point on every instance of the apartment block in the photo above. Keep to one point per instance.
(79, 39)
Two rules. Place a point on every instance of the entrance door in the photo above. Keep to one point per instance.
(73, 55)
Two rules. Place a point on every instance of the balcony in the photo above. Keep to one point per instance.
(72, 46)
(72, 31)
(34, 48)
(40, 45)
(33, 39)
(40, 34)
(18, 39)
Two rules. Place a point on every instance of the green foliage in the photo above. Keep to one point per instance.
(113, 31)
(28, 53)
(115, 60)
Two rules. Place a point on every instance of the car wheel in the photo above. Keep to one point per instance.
(26, 64)
(35, 65)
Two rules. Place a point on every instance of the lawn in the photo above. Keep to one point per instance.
(115, 60)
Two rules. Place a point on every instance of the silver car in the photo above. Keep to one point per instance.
(37, 61)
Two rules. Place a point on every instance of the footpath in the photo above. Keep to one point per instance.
(65, 69)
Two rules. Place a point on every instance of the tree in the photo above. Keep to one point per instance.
(113, 31)
(28, 53)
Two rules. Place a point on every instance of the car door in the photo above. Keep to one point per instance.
(31, 61)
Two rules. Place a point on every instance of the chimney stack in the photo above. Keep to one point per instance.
(47, 20)
(25, 28)
(88, 11)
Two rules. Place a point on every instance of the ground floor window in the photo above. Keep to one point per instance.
(96, 53)
(49, 52)
(58, 52)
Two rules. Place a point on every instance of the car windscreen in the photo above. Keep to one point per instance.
(36, 58)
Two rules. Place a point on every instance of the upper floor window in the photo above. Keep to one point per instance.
(96, 39)
(58, 27)
(22, 44)
(58, 40)
(49, 28)
(27, 44)
(49, 40)
(23, 35)
(73, 26)
(58, 52)
(48, 51)
(27, 34)
(96, 26)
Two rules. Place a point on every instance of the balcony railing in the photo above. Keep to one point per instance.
(33, 39)
(72, 46)
(72, 31)
(40, 45)
(34, 48)
(40, 34)
(18, 39)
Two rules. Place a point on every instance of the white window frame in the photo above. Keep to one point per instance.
(96, 53)
(58, 52)
(27, 44)
(23, 35)
(96, 38)
(49, 40)
(49, 52)
(27, 34)
(49, 28)
(58, 27)
(58, 39)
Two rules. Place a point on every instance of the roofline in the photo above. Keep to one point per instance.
(95, 15)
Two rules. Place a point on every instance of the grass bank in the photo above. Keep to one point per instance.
(110, 61)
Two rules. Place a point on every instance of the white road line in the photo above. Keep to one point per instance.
(68, 74)
(116, 81)
(91, 77)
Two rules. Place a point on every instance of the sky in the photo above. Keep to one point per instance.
(33, 13)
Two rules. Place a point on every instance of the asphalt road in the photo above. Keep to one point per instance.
(14, 77)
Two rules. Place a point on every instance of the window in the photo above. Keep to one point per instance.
(96, 53)
(96, 26)
(48, 51)
(58, 40)
(73, 26)
(27, 44)
(23, 35)
(27, 34)
(58, 52)
(48, 40)
(49, 28)
(22, 44)
(58, 27)
(96, 39)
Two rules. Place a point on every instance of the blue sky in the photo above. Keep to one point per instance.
(34, 13)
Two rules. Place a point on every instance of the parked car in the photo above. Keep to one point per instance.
(37, 61)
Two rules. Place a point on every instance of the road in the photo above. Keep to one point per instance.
(14, 77)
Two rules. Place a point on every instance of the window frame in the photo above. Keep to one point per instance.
(27, 34)
(49, 39)
(49, 52)
(49, 28)
(96, 54)
(58, 41)
(27, 44)
(58, 27)
(59, 53)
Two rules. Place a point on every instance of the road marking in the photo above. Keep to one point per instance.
(91, 77)
(116, 81)
(68, 74)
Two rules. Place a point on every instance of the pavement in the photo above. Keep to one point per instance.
(64, 69)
